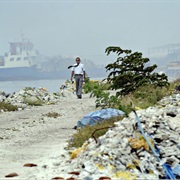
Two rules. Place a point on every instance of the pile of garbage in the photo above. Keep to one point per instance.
(124, 152)
(36, 96)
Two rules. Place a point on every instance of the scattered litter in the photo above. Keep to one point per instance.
(11, 175)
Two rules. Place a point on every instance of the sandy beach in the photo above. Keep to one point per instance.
(30, 136)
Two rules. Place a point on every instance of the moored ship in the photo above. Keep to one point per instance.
(20, 62)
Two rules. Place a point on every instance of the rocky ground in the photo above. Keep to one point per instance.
(29, 137)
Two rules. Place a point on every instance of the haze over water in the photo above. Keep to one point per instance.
(85, 28)
(51, 86)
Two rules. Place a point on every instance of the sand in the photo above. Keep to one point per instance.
(30, 136)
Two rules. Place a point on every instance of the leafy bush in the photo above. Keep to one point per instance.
(130, 71)
(90, 85)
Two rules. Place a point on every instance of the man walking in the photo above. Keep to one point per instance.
(78, 72)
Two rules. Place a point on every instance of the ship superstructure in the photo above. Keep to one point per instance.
(21, 54)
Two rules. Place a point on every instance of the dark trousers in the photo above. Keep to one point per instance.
(79, 83)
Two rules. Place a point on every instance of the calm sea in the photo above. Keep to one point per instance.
(49, 85)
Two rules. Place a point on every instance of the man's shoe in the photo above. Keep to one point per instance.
(79, 96)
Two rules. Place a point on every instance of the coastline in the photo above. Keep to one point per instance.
(52, 85)
(30, 136)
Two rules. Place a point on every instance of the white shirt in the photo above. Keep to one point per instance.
(79, 69)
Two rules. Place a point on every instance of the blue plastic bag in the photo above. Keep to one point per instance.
(94, 117)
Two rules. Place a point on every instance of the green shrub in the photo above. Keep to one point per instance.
(89, 86)
(130, 71)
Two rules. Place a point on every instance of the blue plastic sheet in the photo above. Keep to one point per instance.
(176, 170)
(97, 116)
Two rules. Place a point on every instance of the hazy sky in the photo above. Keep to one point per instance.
(85, 28)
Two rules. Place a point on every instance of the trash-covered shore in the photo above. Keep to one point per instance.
(123, 153)
(37, 96)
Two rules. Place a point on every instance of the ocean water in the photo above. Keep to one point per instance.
(15, 86)
(51, 86)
